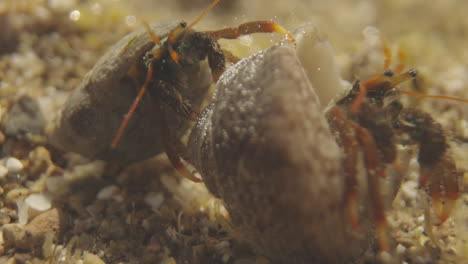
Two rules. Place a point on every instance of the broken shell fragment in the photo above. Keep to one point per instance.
(264, 147)
(96, 108)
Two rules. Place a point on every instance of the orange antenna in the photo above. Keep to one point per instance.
(434, 96)
(388, 57)
(388, 54)
(155, 38)
(215, 2)
(402, 60)
(132, 109)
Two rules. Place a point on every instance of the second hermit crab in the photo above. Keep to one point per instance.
(289, 175)
(370, 119)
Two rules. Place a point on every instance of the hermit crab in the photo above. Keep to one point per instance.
(370, 119)
(167, 59)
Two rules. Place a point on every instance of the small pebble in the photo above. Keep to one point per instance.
(31, 237)
(400, 249)
(16, 194)
(39, 201)
(154, 200)
(423, 240)
(385, 257)
(12, 233)
(108, 192)
(14, 165)
(46, 222)
(3, 171)
(93, 169)
(89, 258)
(410, 189)
(48, 246)
(420, 219)
(23, 212)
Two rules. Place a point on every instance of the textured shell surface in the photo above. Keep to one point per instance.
(95, 109)
(264, 147)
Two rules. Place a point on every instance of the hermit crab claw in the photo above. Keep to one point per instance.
(442, 181)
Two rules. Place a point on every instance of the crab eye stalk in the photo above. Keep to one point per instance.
(413, 72)
(388, 73)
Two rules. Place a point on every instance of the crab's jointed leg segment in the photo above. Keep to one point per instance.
(437, 168)
(356, 105)
(175, 149)
(443, 174)
(250, 28)
(375, 170)
(136, 102)
(338, 122)
(351, 136)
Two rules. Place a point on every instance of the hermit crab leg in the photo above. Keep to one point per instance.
(351, 136)
(215, 55)
(357, 102)
(132, 109)
(175, 149)
(451, 193)
(435, 183)
(347, 138)
(250, 28)
(149, 75)
(375, 170)
(443, 174)
(437, 168)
